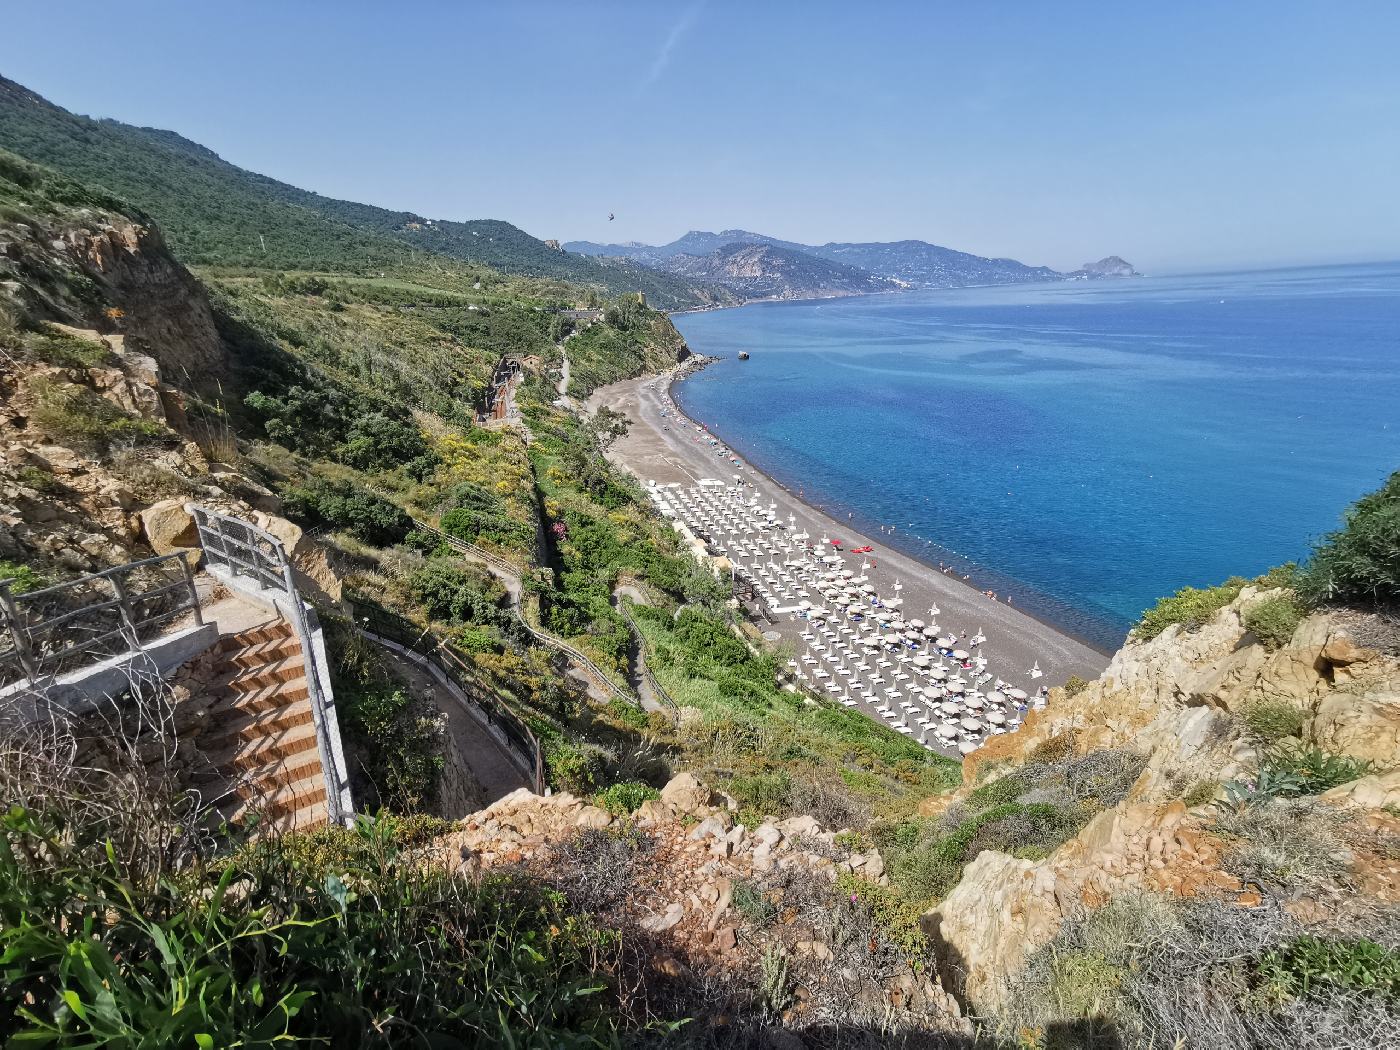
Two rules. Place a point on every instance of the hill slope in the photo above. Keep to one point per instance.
(215, 213)
(916, 264)
(765, 271)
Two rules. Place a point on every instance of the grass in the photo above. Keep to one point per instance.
(1270, 721)
(76, 416)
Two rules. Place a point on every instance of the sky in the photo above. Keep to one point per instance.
(1185, 137)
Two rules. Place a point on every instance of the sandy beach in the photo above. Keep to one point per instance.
(657, 449)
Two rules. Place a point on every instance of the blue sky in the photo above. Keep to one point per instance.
(1186, 136)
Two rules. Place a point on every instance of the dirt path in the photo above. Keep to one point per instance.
(479, 769)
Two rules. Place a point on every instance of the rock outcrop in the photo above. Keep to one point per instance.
(1180, 700)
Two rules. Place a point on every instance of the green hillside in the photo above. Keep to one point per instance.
(215, 214)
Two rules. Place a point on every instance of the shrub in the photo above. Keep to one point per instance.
(1190, 607)
(1359, 564)
(401, 744)
(78, 417)
(1075, 685)
(274, 947)
(625, 797)
(753, 903)
(23, 579)
(1295, 968)
(1270, 721)
(345, 505)
(1273, 620)
(1316, 770)
(574, 768)
(765, 793)
(377, 441)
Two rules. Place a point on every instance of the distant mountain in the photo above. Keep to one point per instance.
(217, 214)
(924, 265)
(910, 264)
(766, 271)
(1112, 266)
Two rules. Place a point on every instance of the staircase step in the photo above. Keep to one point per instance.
(300, 804)
(243, 755)
(255, 725)
(268, 698)
(269, 777)
(264, 632)
(252, 679)
(262, 652)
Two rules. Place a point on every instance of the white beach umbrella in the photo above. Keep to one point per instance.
(996, 697)
(950, 707)
(975, 702)
(997, 718)
(971, 725)
(947, 732)
(955, 687)
(1016, 694)
(967, 747)
(959, 654)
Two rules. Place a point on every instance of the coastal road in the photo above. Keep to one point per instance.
(1015, 640)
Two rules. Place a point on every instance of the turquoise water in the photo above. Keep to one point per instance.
(1085, 447)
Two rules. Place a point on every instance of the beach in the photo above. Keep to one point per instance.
(661, 447)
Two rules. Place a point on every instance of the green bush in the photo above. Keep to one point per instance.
(625, 797)
(1359, 564)
(1074, 685)
(764, 793)
(277, 947)
(753, 903)
(1270, 721)
(1273, 620)
(401, 744)
(22, 578)
(1300, 966)
(1192, 606)
(1315, 769)
(345, 505)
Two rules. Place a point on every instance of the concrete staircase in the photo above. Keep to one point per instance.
(261, 739)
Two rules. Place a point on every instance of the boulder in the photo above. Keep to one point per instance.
(168, 527)
(1370, 792)
(686, 794)
(593, 817)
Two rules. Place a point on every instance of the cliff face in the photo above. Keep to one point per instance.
(1182, 701)
(112, 273)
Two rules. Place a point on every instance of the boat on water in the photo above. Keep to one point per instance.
(743, 355)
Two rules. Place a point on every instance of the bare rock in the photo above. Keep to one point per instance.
(168, 527)
(686, 794)
(593, 817)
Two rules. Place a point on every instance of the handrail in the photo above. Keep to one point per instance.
(545, 638)
(387, 625)
(31, 639)
(269, 565)
(661, 693)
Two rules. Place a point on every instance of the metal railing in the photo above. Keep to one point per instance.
(671, 707)
(81, 622)
(379, 622)
(550, 641)
(242, 549)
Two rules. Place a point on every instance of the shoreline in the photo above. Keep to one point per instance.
(651, 451)
(676, 376)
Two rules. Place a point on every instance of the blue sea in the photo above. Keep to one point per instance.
(1086, 447)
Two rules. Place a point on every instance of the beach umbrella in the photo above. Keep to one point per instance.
(944, 642)
(921, 661)
(919, 624)
(959, 654)
(971, 725)
(1016, 694)
(955, 687)
(937, 673)
(974, 701)
(950, 707)
(996, 697)
(947, 732)
(997, 718)
(931, 631)
(967, 747)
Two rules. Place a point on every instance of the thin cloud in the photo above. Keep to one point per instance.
(663, 57)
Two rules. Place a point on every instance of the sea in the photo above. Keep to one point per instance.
(1085, 446)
